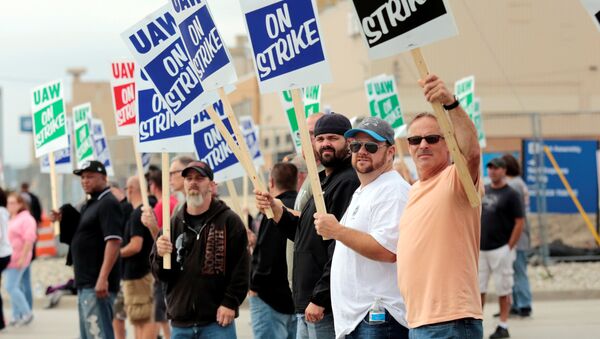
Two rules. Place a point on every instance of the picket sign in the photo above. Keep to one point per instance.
(166, 203)
(284, 61)
(123, 93)
(449, 137)
(50, 128)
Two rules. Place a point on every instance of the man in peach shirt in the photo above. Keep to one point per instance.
(438, 246)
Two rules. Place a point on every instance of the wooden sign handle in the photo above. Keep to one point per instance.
(248, 165)
(141, 176)
(308, 152)
(241, 141)
(53, 191)
(447, 130)
(235, 199)
(166, 205)
(403, 168)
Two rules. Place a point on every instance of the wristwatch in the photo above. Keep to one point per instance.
(452, 105)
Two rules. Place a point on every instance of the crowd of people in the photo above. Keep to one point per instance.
(391, 258)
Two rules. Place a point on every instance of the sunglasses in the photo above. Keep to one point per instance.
(370, 146)
(431, 139)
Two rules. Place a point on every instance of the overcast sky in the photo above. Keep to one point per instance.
(40, 39)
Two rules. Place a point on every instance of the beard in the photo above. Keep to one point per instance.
(334, 160)
(194, 199)
(364, 169)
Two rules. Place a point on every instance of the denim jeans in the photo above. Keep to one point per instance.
(322, 329)
(384, 330)
(95, 315)
(521, 290)
(18, 301)
(211, 331)
(26, 286)
(457, 329)
(268, 323)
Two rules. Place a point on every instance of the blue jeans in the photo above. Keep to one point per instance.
(385, 330)
(457, 329)
(95, 315)
(320, 330)
(26, 286)
(268, 323)
(18, 301)
(211, 331)
(521, 290)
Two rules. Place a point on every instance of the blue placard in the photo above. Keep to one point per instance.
(577, 160)
(26, 124)
(212, 148)
(285, 37)
(203, 43)
(157, 47)
(250, 133)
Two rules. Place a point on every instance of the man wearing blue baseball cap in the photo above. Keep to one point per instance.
(365, 302)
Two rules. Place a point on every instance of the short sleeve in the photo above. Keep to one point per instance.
(137, 228)
(387, 207)
(111, 219)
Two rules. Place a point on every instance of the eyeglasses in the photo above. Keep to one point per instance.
(430, 139)
(370, 146)
(172, 173)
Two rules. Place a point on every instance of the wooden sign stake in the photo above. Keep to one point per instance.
(447, 130)
(53, 191)
(248, 165)
(235, 199)
(166, 205)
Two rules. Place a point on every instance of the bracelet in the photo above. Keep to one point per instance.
(452, 105)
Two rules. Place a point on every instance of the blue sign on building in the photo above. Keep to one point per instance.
(577, 160)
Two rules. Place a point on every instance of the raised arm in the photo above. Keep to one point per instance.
(464, 130)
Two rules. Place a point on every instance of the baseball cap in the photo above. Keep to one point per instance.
(200, 167)
(332, 123)
(377, 128)
(496, 162)
(91, 166)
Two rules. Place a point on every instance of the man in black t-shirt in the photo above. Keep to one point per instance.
(502, 220)
(137, 279)
(95, 250)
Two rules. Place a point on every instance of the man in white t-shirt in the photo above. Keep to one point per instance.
(365, 299)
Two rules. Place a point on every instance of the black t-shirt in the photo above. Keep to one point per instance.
(101, 220)
(500, 208)
(138, 265)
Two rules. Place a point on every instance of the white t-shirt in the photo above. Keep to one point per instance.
(5, 248)
(356, 281)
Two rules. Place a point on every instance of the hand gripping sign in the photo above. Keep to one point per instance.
(288, 54)
(394, 26)
(124, 95)
(156, 45)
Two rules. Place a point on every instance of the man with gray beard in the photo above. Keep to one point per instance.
(210, 267)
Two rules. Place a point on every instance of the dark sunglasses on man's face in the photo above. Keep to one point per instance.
(431, 139)
(370, 146)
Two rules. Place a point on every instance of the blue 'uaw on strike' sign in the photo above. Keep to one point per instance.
(394, 26)
(203, 43)
(212, 148)
(286, 43)
(158, 131)
(156, 45)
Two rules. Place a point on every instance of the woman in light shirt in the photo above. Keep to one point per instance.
(22, 235)
(5, 248)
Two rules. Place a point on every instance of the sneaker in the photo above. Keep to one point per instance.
(500, 332)
(26, 320)
(525, 312)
